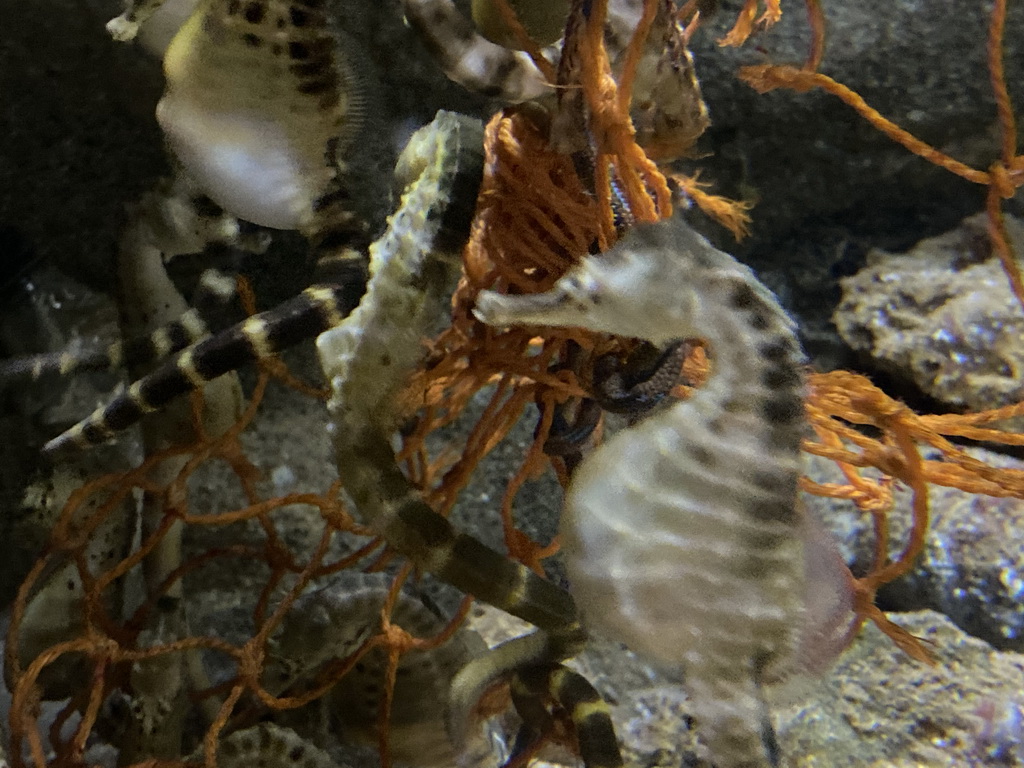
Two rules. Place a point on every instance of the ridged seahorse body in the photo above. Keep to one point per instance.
(682, 534)
(270, 746)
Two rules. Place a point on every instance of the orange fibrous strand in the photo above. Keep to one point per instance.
(534, 220)
(839, 403)
(1003, 177)
(748, 20)
(839, 406)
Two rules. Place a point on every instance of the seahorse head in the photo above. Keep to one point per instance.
(623, 291)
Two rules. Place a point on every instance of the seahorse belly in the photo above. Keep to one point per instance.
(260, 104)
(242, 160)
(660, 559)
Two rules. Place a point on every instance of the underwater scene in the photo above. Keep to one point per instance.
(495, 383)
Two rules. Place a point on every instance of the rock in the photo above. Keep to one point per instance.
(942, 314)
(972, 568)
(876, 708)
(880, 708)
(900, 57)
(826, 186)
(81, 142)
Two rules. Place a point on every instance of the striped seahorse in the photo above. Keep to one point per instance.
(330, 623)
(271, 746)
(262, 104)
(682, 534)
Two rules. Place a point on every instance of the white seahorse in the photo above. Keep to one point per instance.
(682, 535)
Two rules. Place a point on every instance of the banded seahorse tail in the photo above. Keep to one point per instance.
(338, 240)
(432, 543)
(682, 534)
(188, 328)
(368, 358)
(32, 368)
(534, 682)
(502, 662)
(166, 222)
(470, 59)
(265, 334)
(572, 693)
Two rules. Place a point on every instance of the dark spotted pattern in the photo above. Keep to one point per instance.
(315, 310)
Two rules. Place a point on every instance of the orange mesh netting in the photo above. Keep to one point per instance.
(111, 647)
(896, 453)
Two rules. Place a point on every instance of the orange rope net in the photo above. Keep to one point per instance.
(535, 217)
(1004, 176)
(534, 220)
(839, 399)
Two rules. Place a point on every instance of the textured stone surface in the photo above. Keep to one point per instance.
(807, 155)
(943, 315)
(881, 709)
(876, 708)
(827, 187)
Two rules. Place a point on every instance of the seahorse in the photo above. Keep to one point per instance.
(331, 622)
(367, 359)
(271, 746)
(440, 173)
(261, 104)
(682, 534)
(667, 108)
